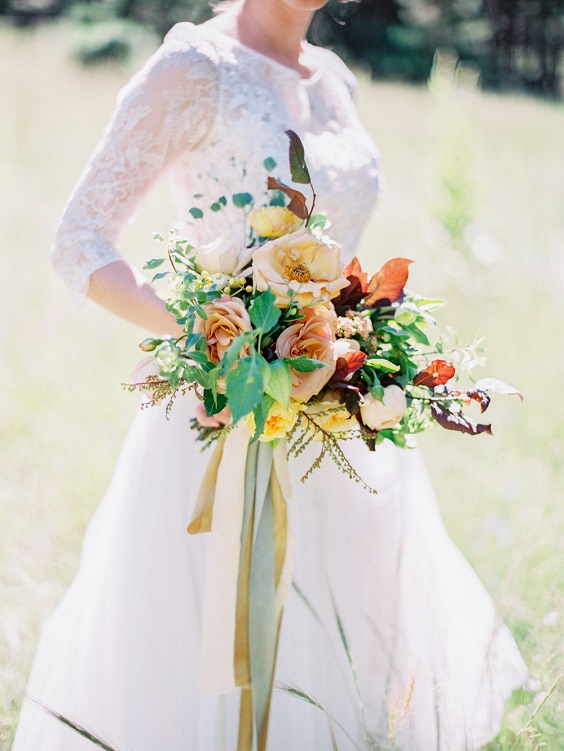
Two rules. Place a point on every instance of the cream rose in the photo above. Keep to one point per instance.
(280, 421)
(314, 337)
(386, 413)
(302, 263)
(331, 415)
(224, 255)
(227, 318)
(274, 221)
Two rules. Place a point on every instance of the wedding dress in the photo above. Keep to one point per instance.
(120, 654)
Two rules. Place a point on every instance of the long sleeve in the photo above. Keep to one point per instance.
(167, 108)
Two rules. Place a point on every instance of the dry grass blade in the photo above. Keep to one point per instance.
(526, 730)
(299, 694)
(96, 740)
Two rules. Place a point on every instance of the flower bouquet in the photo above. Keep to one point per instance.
(284, 346)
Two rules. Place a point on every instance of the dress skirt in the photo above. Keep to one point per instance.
(387, 626)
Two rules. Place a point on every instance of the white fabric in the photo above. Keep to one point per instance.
(120, 654)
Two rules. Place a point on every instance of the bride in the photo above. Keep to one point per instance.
(119, 656)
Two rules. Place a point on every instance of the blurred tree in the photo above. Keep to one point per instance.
(514, 43)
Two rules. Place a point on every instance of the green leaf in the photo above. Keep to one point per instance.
(240, 200)
(380, 363)
(417, 334)
(215, 206)
(222, 200)
(160, 275)
(279, 384)
(304, 364)
(196, 213)
(154, 263)
(263, 312)
(230, 357)
(269, 164)
(260, 413)
(244, 387)
(278, 199)
(298, 166)
(213, 403)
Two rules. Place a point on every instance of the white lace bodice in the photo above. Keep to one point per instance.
(209, 111)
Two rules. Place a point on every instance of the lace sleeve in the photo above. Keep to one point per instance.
(169, 106)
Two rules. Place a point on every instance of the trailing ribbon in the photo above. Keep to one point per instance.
(242, 501)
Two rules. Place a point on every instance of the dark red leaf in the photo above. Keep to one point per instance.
(348, 363)
(481, 397)
(388, 282)
(435, 374)
(297, 200)
(457, 421)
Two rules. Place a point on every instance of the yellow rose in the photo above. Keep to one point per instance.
(386, 413)
(223, 255)
(274, 221)
(227, 317)
(312, 336)
(302, 263)
(331, 415)
(279, 422)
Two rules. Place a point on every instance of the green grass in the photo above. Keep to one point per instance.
(63, 414)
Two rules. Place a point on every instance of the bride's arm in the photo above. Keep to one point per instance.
(166, 108)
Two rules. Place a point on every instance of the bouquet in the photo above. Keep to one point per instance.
(280, 335)
(286, 347)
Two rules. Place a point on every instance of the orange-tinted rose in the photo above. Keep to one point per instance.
(227, 318)
(312, 337)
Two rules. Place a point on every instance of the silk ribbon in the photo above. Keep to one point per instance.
(243, 501)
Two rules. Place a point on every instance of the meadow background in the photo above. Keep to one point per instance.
(473, 193)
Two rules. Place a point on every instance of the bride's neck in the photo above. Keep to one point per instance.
(272, 28)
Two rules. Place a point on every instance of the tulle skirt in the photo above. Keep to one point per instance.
(388, 640)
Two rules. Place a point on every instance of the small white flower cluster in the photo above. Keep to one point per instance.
(353, 324)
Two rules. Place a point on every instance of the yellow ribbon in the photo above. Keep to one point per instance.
(225, 657)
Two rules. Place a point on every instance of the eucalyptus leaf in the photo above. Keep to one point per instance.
(196, 213)
(269, 164)
(240, 200)
(154, 263)
(380, 363)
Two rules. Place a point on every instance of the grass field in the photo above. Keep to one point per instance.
(63, 414)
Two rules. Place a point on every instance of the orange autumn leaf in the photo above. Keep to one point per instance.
(348, 363)
(388, 282)
(435, 374)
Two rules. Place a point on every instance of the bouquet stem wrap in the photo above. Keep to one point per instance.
(243, 501)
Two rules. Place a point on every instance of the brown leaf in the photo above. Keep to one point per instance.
(457, 421)
(297, 200)
(348, 363)
(388, 282)
(481, 397)
(435, 374)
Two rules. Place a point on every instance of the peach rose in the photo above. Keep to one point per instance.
(313, 337)
(302, 263)
(274, 221)
(386, 413)
(227, 318)
(223, 255)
